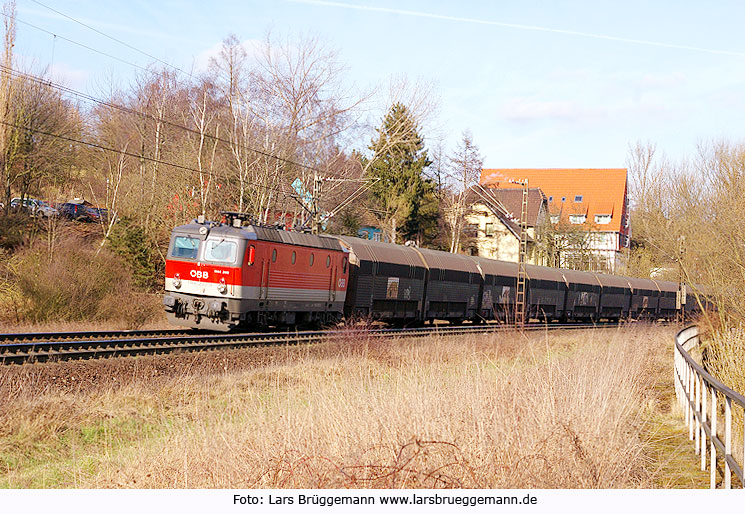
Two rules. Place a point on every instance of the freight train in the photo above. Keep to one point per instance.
(238, 275)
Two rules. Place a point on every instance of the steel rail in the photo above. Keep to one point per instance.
(19, 337)
(58, 349)
(698, 392)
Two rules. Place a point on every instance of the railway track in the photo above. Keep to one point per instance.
(44, 347)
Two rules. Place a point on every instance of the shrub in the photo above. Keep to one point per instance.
(15, 229)
(140, 252)
(75, 283)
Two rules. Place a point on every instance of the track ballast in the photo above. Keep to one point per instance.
(44, 347)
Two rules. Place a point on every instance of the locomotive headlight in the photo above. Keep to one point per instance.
(177, 281)
(223, 287)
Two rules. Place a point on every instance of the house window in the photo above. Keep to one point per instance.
(602, 219)
(578, 199)
(563, 198)
(489, 229)
(550, 198)
(577, 219)
(554, 218)
(376, 236)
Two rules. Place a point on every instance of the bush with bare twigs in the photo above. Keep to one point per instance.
(73, 282)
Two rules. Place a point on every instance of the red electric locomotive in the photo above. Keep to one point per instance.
(221, 276)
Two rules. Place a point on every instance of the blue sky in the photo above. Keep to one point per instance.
(538, 83)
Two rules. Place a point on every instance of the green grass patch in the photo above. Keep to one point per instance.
(674, 463)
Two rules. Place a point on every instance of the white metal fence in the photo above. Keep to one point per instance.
(699, 395)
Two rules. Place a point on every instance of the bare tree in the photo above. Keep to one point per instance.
(8, 141)
(203, 116)
(464, 171)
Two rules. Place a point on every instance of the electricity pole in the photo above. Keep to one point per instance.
(315, 211)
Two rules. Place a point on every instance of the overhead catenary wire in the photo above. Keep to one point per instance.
(48, 83)
(135, 112)
(123, 43)
(91, 98)
(148, 70)
(81, 45)
(136, 156)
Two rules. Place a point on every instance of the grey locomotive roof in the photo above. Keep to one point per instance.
(451, 261)
(295, 238)
(376, 251)
(252, 232)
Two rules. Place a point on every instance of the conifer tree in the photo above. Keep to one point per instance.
(404, 201)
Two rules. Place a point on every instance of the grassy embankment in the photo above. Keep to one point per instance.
(66, 280)
(543, 410)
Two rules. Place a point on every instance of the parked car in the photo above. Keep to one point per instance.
(85, 213)
(97, 214)
(46, 209)
(34, 207)
(74, 211)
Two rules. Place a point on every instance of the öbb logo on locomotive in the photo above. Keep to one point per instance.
(238, 275)
(199, 274)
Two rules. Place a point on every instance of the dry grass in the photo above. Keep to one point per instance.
(507, 410)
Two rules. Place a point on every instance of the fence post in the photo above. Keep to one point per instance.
(727, 441)
(713, 448)
(703, 430)
(697, 408)
(687, 395)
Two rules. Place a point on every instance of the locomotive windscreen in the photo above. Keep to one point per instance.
(185, 247)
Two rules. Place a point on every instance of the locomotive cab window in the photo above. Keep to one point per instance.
(185, 247)
(344, 265)
(220, 250)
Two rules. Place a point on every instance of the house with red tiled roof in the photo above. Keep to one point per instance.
(591, 202)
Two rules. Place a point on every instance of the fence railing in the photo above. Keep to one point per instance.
(699, 395)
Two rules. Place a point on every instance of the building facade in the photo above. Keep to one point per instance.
(493, 221)
(588, 225)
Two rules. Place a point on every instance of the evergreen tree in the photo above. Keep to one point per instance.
(404, 201)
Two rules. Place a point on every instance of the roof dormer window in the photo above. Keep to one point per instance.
(602, 219)
(578, 199)
(577, 219)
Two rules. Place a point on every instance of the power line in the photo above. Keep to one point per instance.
(136, 156)
(79, 44)
(135, 112)
(126, 109)
(112, 38)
